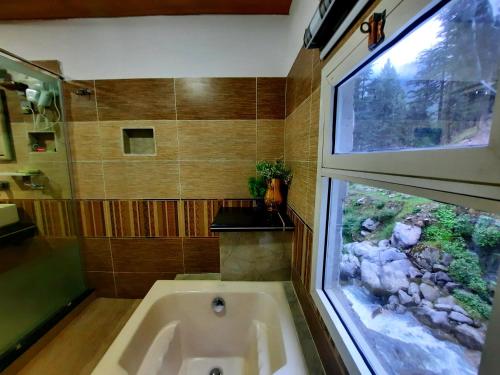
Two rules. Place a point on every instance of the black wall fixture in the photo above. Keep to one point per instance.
(330, 21)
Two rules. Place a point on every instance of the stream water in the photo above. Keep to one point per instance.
(406, 346)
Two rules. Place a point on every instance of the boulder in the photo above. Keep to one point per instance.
(364, 233)
(429, 292)
(405, 236)
(384, 243)
(370, 224)
(443, 307)
(451, 286)
(349, 267)
(470, 337)
(426, 257)
(446, 259)
(363, 249)
(442, 277)
(416, 299)
(448, 300)
(400, 309)
(439, 267)
(433, 318)
(370, 277)
(427, 276)
(415, 274)
(391, 254)
(460, 318)
(393, 300)
(413, 289)
(393, 277)
(405, 299)
(426, 303)
(460, 310)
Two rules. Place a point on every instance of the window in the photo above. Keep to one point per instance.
(407, 239)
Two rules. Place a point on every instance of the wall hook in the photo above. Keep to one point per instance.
(375, 29)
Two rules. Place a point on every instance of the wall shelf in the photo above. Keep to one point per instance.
(17, 232)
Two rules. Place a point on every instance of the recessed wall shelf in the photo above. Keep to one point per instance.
(138, 141)
(19, 174)
(42, 141)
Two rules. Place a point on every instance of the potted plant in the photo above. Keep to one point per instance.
(257, 187)
(277, 177)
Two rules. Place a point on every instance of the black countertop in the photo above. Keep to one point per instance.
(245, 219)
(17, 232)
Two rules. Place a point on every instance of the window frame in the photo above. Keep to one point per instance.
(454, 178)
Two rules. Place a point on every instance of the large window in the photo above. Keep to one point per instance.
(407, 233)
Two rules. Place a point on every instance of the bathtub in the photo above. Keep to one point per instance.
(175, 330)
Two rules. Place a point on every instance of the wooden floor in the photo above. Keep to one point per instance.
(82, 343)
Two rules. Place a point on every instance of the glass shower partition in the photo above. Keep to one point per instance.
(41, 275)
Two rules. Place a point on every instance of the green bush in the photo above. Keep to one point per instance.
(466, 270)
(464, 226)
(486, 236)
(474, 305)
(257, 187)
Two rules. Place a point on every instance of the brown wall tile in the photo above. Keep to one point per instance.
(201, 255)
(271, 98)
(198, 215)
(52, 65)
(136, 285)
(96, 253)
(297, 194)
(92, 217)
(165, 134)
(211, 179)
(270, 142)
(217, 140)
(102, 282)
(215, 98)
(141, 180)
(85, 141)
(314, 129)
(297, 133)
(147, 255)
(88, 180)
(135, 99)
(311, 193)
(79, 108)
(299, 80)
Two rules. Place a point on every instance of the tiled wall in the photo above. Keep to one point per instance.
(303, 94)
(147, 217)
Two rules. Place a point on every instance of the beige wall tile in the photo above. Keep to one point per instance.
(297, 195)
(270, 142)
(89, 180)
(311, 193)
(297, 133)
(85, 141)
(165, 133)
(217, 140)
(314, 131)
(141, 180)
(216, 179)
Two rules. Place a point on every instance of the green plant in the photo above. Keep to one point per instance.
(474, 305)
(464, 226)
(257, 187)
(268, 170)
(466, 270)
(486, 236)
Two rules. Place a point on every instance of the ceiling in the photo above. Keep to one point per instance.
(57, 9)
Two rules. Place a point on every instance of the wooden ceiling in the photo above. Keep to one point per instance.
(57, 9)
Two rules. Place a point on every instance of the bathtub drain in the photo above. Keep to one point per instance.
(215, 371)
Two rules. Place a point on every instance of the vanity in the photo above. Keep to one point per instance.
(255, 244)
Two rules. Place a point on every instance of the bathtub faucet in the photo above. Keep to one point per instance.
(218, 305)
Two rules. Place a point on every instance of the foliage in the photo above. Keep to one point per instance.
(464, 226)
(474, 305)
(466, 270)
(268, 170)
(486, 233)
(257, 187)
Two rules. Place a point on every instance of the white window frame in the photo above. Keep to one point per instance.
(466, 177)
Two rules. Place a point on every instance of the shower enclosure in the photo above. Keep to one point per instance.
(41, 276)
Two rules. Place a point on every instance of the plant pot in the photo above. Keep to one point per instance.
(260, 204)
(273, 197)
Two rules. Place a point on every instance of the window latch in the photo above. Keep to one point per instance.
(375, 29)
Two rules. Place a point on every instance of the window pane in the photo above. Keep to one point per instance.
(412, 278)
(435, 88)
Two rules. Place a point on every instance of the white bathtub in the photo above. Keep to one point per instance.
(175, 331)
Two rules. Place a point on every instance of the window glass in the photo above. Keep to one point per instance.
(434, 88)
(414, 278)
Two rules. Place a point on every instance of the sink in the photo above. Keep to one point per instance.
(8, 214)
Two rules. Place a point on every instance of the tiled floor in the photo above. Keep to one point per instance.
(78, 348)
(82, 343)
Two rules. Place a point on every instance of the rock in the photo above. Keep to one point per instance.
(433, 318)
(384, 243)
(442, 277)
(460, 310)
(364, 233)
(426, 303)
(470, 337)
(443, 307)
(391, 254)
(405, 236)
(349, 267)
(429, 292)
(448, 300)
(405, 299)
(427, 276)
(439, 267)
(416, 299)
(415, 274)
(393, 300)
(425, 257)
(400, 309)
(413, 289)
(446, 259)
(460, 318)
(363, 249)
(370, 224)
(403, 265)
(451, 286)
(393, 278)
(370, 277)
